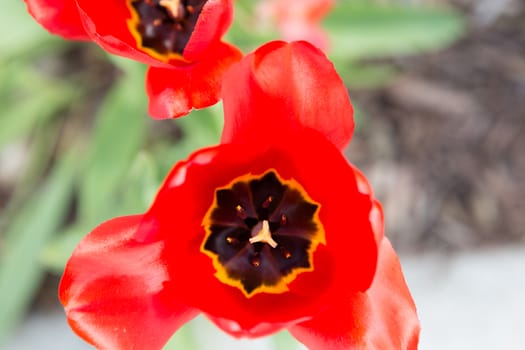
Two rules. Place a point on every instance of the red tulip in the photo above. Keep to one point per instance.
(299, 19)
(179, 39)
(272, 229)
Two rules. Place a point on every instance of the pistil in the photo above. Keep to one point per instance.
(174, 8)
(261, 233)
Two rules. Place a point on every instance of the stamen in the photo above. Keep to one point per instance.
(286, 253)
(174, 7)
(255, 261)
(284, 220)
(232, 240)
(263, 235)
(267, 202)
(241, 212)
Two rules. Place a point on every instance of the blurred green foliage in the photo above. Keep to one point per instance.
(115, 158)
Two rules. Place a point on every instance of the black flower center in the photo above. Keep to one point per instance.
(261, 232)
(163, 28)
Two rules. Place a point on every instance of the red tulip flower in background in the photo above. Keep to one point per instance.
(179, 39)
(272, 229)
(299, 19)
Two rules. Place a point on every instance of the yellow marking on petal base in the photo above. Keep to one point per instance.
(132, 24)
(282, 286)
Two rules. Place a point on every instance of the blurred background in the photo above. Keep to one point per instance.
(439, 91)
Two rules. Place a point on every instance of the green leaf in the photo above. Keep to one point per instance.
(119, 134)
(54, 255)
(133, 195)
(140, 185)
(20, 271)
(361, 30)
(201, 128)
(24, 105)
(243, 33)
(183, 339)
(364, 76)
(19, 30)
(39, 156)
(284, 341)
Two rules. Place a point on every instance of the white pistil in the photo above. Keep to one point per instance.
(174, 7)
(263, 235)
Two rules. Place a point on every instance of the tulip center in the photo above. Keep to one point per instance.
(261, 232)
(163, 28)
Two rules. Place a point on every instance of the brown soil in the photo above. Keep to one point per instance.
(444, 143)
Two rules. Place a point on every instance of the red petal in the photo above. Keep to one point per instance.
(376, 213)
(309, 11)
(382, 318)
(106, 23)
(59, 17)
(215, 18)
(346, 264)
(235, 329)
(293, 30)
(113, 290)
(281, 89)
(108, 27)
(175, 92)
(299, 19)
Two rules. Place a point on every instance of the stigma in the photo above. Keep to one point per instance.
(261, 233)
(174, 8)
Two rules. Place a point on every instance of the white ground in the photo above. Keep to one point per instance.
(473, 300)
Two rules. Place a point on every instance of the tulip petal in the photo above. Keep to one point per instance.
(281, 89)
(109, 27)
(308, 11)
(376, 213)
(175, 92)
(345, 265)
(299, 19)
(215, 19)
(299, 30)
(113, 289)
(384, 317)
(106, 24)
(59, 17)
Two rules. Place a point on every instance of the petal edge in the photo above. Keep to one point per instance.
(282, 88)
(383, 318)
(113, 290)
(174, 92)
(59, 17)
